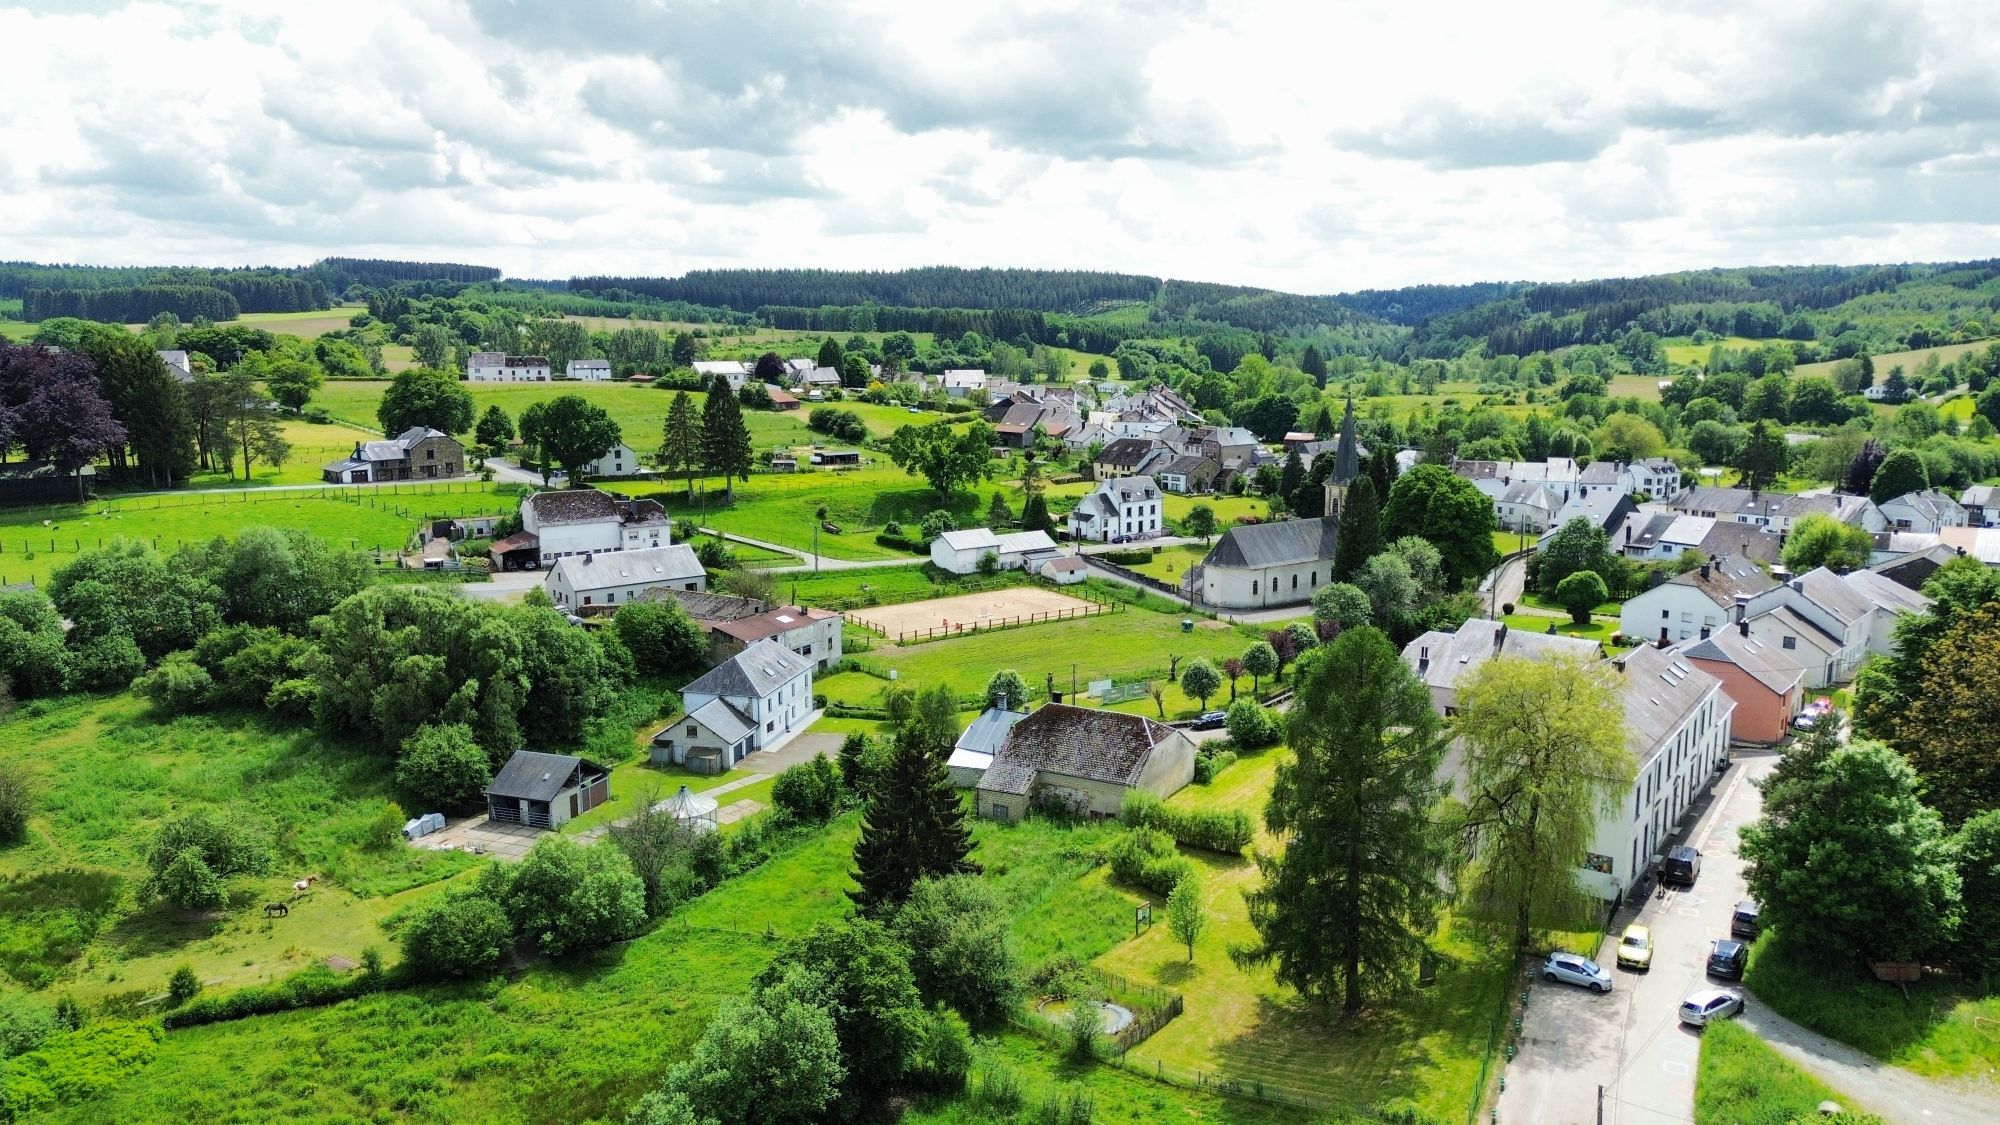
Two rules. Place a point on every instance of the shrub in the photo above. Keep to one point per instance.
(442, 764)
(1135, 556)
(107, 663)
(1207, 765)
(182, 986)
(806, 792)
(189, 883)
(1214, 831)
(956, 932)
(1146, 858)
(1083, 1029)
(17, 804)
(1251, 725)
(454, 935)
(942, 1054)
(564, 896)
(75, 1066)
(24, 1024)
(314, 987)
(178, 685)
(936, 524)
(900, 543)
(1580, 593)
(661, 636)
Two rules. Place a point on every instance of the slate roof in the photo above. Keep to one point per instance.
(1931, 504)
(769, 624)
(1258, 545)
(1602, 472)
(1440, 659)
(1007, 777)
(606, 569)
(1847, 509)
(1602, 509)
(1915, 568)
(1082, 742)
(728, 724)
(706, 606)
(1798, 623)
(177, 364)
(1533, 493)
(1730, 502)
(1885, 592)
(1767, 665)
(1660, 690)
(1742, 540)
(1230, 436)
(756, 671)
(536, 776)
(1645, 530)
(1190, 466)
(1981, 496)
(1723, 578)
(1126, 452)
(576, 505)
(1825, 589)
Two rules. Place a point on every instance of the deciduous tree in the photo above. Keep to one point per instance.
(945, 456)
(442, 764)
(1580, 593)
(1818, 539)
(1201, 680)
(1185, 918)
(1260, 660)
(1577, 545)
(495, 429)
(425, 397)
(1949, 726)
(576, 432)
(565, 896)
(1432, 502)
(1901, 472)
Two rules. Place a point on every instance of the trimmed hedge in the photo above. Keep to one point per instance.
(1225, 832)
(1146, 858)
(901, 543)
(1206, 766)
(1131, 557)
(314, 987)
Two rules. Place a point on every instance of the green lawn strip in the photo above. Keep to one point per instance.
(108, 774)
(1547, 605)
(1244, 785)
(1059, 897)
(1599, 629)
(783, 508)
(1943, 1030)
(1170, 564)
(1743, 1081)
(1510, 542)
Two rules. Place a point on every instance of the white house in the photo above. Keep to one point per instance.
(735, 371)
(177, 364)
(1441, 659)
(1928, 510)
(1660, 535)
(961, 381)
(1065, 570)
(620, 461)
(1677, 730)
(1559, 474)
(1982, 505)
(960, 551)
(499, 367)
(1526, 506)
(1682, 606)
(753, 700)
(1266, 564)
(1658, 478)
(1116, 511)
(589, 370)
(577, 582)
(585, 521)
(1830, 622)
(974, 750)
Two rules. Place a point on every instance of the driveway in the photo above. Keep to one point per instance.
(802, 747)
(1631, 1041)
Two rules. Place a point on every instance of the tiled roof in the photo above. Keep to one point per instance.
(719, 716)
(706, 606)
(1742, 540)
(576, 505)
(1440, 659)
(1083, 742)
(607, 569)
(1275, 544)
(1723, 578)
(771, 623)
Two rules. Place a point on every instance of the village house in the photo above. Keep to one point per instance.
(1777, 511)
(1982, 505)
(546, 790)
(1129, 457)
(580, 521)
(1605, 511)
(960, 552)
(735, 371)
(1117, 511)
(1267, 564)
(579, 582)
(1925, 511)
(588, 370)
(753, 701)
(1766, 684)
(1190, 475)
(1742, 541)
(1493, 478)
(1661, 535)
(1082, 761)
(1829, 622)
(962, 381)
(415, 454)
(178, 364)
(619, 461)
(1655, 479)
(983, 737)
(1442, 659)
(1527, 507)
(1686, 604)
(734, 624)
(499, 367)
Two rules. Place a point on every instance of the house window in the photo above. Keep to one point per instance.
(1791, 642)
(586, 599)
(999, 810)
(770, 726)
(690, 730)
(1295, 581)
(1253, 587)
(430, 454)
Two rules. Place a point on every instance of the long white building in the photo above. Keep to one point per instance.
(578, 582)
(499, 367)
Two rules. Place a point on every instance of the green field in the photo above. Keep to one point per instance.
(1170, 564)
(1742, 1079)
(1678, 353)
(35, 541)
(1909, 361)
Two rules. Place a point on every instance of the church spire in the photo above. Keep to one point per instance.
(1347, 456)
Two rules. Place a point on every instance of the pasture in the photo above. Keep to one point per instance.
(1909, 361)
(972, 611)
(783, 508)
(308, 323)
(35, 541)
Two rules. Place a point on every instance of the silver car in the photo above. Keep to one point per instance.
(1710, 1004)
(1573, 968)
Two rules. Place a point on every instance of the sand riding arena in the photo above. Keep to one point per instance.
(937, 618)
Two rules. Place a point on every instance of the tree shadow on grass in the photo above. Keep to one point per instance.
(162, 927)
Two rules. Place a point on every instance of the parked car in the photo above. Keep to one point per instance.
(1681, 867)
(1727, 958)
(1635, 949)
(1210, 720)
(1815, 711)
(1571, 968)
(1744, 922)
(1710, 1004)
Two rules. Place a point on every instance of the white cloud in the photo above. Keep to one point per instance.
(1315, 148)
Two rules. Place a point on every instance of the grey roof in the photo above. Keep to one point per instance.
(1275, 544)
(707, 606)
(177, 364)
(536, 776)
(1189, 466)
(1007, 777)
(1742, 540)
(1660, 690)
(1825, 589)
(757, 671)
(1130, 451)
(1082, 742)
(1804, 626)
(1229, 435)
(1603, 509)
(1129, 489)
(1347, 455)
(1441, 658)
(1730, 502)
(1886, 592)
(1531, 492)
(1602, 472)
(576, 505)
(606, 569)
(1981, 496)
(1839, 505)
(987, 732)
(1916, 567)
(1647, 530)
(1723, 578)
(1770, 666)
(729, 724)
(1931, 504)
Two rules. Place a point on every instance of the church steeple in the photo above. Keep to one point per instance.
(1347, 456)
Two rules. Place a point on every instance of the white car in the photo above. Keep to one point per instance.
(1572, 968)
(1710, 1004)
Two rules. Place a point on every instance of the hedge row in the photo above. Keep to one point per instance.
(901, 543)
(1225, 832)
(314, 987)
(1130, 557)
(1206, 766)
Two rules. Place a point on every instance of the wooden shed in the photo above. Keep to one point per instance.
(546, 790)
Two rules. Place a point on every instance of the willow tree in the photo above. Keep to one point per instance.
(1545, 760)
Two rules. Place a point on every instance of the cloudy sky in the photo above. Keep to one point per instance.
(1313, 147)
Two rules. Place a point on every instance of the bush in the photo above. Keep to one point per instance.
(178, 685)
(936, 524)
(1212, 831)
(661, 636)
(565, 896)
(1206, 766)
(942, 1055)
(75, 1066)
(1146, 858)
(900, 543)
(1083, 1029)
(182, 986)
(1136, 556)
(1251, 725)
(1580, 593)
(443, 765)
(956, 932)
(107, 663)
(807, 792)
(24, 1024)
(189, 883)
(314, 987)
(17, 804)
(454, 935)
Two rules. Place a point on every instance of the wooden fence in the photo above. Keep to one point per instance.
(1130, 575)
(985, 625)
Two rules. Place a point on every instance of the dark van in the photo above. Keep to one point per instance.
(1743, 923)
(1681, 867)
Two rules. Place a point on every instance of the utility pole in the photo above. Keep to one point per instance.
(819, 517)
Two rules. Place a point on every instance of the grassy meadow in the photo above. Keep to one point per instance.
(35, 541)
(1909, 361)
(1743, 1081)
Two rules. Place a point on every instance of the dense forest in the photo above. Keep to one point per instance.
(1074, 291)
(131, 294)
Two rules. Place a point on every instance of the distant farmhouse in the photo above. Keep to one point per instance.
(499, 367)
(580, 521)
(589, 370)
(415, 454)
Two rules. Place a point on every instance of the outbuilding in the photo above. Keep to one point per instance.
(546, 790)
(961, 551)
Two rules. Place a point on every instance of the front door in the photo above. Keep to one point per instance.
(572, 805)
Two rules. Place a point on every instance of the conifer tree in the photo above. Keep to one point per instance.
(914, 827)
(681, 439)
(725, 438)
(1360, 531)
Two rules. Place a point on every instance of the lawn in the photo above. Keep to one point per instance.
(1126, 646)
(108, 773)
(1682, 352)
(1743, 1081)
(1508, 542)
(1599, 630)
(35, 541)
(1944, 1030)
(782, 508)
(312, 444)
(1170, 564)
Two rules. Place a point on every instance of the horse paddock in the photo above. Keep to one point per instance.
(970, 613)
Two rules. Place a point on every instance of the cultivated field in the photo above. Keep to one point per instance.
(1909, 361)
(973, 611)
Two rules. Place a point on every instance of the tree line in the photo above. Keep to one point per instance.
(928, 287)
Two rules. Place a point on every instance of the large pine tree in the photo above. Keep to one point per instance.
(1357, 886)
(914, 827)
(681, 439)
(725, 437)
(1360, 533)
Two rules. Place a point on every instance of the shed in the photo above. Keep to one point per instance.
(546, 790)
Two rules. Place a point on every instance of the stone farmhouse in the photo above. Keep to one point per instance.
(580, 521)
(415, 454)
(1082, 760)
(499, 367)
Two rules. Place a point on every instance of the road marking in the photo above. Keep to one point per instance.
(1672, 1067)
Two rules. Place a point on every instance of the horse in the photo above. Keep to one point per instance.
(305, 884)
(276, 910)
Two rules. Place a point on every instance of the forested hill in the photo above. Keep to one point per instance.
(948, 287)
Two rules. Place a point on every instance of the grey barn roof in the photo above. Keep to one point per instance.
(1084, 742)
(536, 776)
(756, 671)
(1275, 544)
(1441, 658)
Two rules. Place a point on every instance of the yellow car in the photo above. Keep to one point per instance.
(1635, 949)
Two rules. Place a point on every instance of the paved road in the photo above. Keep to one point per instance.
(1895, 1094)
(1631, 1041)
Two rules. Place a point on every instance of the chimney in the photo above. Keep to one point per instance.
(1742, 606)
(1704, 572)
(587, 556)
(1704, 632)
(1628, 531)
(1742, 628)
(1500, 635)
(1002, 704)
(1799, 584)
